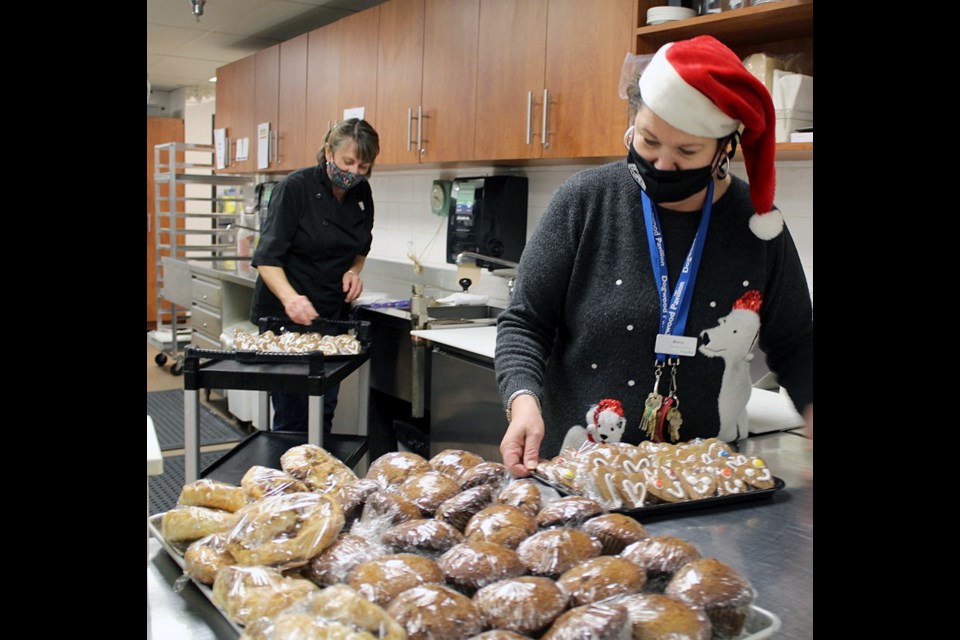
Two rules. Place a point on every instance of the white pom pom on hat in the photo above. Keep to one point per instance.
(702, 88)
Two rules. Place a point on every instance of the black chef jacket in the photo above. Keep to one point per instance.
(314, 239)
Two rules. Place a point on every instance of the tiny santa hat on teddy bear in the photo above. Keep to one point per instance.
(607, 404)
(701, 87)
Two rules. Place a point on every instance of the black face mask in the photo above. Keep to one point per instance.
(667, 186)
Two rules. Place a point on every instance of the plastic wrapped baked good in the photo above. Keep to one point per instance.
(500, 524)
(391, 508)
(719, 589)
(317, 468)
(526, 604)
(285, 530)
(528, 495)
(301, 626)
(454, 462)
(594, 621)
(658, 617)
(552, 552)
(335, 563)
(260, 482)
(500, 634)
(345, 606)
(428, 490)
(247, 593)
(205, 557)
(395, 467)
(433, 611)
(614, 531)
(353, 496)
(388, 576)
(458, 509)
(660, 556)
(213, 494)
(492, 473)
(471, 565)
(570, 511)
(429, 537)
(600, 578)
(184, 524)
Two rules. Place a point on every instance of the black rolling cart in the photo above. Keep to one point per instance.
(310, 373)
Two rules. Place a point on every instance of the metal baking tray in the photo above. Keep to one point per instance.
(760, 623)
(677, 507)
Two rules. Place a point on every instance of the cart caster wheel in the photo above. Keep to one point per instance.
(160, 359)
(176, 369)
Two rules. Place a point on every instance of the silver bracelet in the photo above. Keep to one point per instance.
(516, 394)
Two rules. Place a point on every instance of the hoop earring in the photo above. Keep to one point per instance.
(724, 167)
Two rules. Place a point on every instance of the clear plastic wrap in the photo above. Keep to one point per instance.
(658, 617)
(552, 552)
(428, 490)
(661, 557)
(454, 462)
(526, 604)
(213, 494)
(458, 509)
(472, 565)
(205, 557)
(185, 524)
(428, 537)
(353, 496)
(248, 593)
(600, 578)
(492, 473)
(388, 576)
(296, 342)
(719, 589)
(391, 469)
(261, 482)
(433, 611)
(615, 531)
(570, 511)
(501, 524)
(500, 634)
(320, 470)
(285, 530)
(598, 621)
(301, 626)
(335, 563)
(528, 495)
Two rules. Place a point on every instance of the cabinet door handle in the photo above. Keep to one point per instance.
(420, 149)
(276, 147)
(529, 113)
(409, 127)
(546, 99)
(229, 151)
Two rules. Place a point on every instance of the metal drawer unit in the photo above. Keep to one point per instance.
(205, 291)
(205, 311)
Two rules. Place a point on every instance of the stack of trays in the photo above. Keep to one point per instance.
(659, 15)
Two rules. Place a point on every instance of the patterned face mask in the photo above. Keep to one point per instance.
(343, 179)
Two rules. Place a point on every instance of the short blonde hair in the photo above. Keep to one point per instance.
(357, 131)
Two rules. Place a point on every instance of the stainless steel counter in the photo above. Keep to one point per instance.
(769, 541)
(219, 269)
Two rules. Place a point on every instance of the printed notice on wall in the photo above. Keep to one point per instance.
(355, 112)
(243, 148)
(263, 145)
(220, 147)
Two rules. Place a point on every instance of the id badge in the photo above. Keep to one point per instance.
(676, 345)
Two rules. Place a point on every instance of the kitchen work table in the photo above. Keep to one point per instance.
(770, 541)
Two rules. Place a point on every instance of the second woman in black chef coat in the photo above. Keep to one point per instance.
(313, 244)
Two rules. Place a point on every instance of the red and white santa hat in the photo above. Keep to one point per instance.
(702, 88)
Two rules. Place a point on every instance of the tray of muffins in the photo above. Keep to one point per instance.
(656, 478)
(448, 547)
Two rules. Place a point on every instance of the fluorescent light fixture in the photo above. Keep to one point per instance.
(213, 79)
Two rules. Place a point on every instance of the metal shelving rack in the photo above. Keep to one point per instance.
(179, 236)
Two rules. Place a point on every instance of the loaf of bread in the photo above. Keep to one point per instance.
(433, 611)
(185, 524)
(213, 494)
(347, 606)
(525, 604)
(204, 557)
(316, 467)
(260, 482)
(247, 593)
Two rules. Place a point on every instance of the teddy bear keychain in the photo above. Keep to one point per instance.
(605, 423)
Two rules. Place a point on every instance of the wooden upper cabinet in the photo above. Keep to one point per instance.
(323, 87)
(450, 40)
(266, 98)
(244, 109)
(510, 75)
(359, 36)
(399, 80)
(586, 46)
(291, 151)
(225, 117)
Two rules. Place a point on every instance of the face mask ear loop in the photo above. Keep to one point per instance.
(723, 167)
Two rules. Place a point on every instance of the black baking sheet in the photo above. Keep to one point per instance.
(679, 507)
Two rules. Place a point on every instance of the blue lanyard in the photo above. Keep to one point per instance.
(675, 308)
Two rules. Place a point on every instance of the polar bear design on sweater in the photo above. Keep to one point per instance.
(732, 339)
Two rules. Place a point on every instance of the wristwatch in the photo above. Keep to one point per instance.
(516, 394)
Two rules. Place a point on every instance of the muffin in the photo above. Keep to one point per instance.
(594, 621)
(434, 611)
(428, 490)
(492, 473)
(383, 579)
(390, 507)
(500, 524)
(353, 495)
(426, 536)
(600, 578)
(568, 512)
(526, 605)
(335, 563)
(500, 634)
(395, 467)
(458, 510)
(472, 565)
(523, 494)
(658, 617)
(552, 552)
(454, 462)
(660, 556)
(615, 531)
(719, 589)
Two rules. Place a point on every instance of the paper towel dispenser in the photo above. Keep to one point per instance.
(488, 215)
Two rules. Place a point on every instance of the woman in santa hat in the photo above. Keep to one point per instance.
(651, 279)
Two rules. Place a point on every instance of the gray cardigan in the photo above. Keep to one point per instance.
(584, 315)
